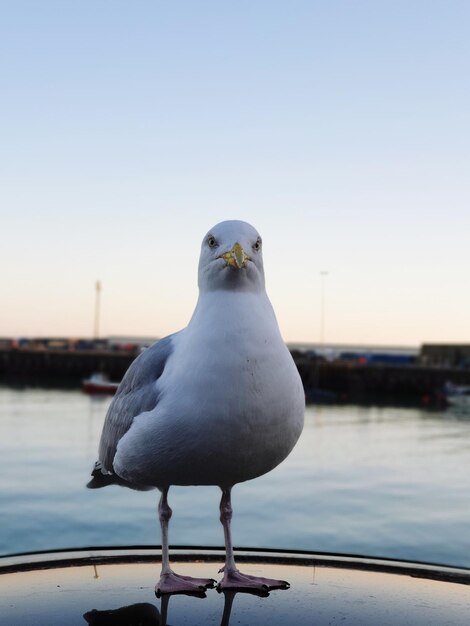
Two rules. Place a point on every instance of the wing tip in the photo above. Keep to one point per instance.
(102, 478)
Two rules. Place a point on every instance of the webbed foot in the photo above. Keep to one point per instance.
(175, 583)
(234, 579)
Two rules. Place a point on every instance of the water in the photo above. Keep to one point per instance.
(377, 481)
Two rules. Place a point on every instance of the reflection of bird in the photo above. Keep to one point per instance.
(143, 614)
(217, 403)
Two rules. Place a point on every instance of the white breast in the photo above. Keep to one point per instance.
(231, 400)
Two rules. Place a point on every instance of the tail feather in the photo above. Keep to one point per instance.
(104, 479)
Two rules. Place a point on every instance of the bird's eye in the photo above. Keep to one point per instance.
(211, 242)
(257, 244)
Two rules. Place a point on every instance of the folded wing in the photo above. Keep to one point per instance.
(137, 393)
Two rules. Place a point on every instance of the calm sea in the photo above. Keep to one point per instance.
(377, 481)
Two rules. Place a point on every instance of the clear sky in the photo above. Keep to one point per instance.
(339, 129)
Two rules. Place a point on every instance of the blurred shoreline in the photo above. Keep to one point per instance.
(388, 378)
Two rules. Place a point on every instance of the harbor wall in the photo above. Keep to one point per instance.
(61, 368)
(413, 385)
(323, 381)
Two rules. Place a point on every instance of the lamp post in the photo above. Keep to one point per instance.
(96, 332)
(323, 275)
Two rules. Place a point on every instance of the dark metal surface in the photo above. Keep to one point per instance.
(116, 587)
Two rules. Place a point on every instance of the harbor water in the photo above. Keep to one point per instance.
(385, 482)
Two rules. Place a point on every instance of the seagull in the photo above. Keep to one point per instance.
(217, 403)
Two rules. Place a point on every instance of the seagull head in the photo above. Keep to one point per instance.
(231, 258)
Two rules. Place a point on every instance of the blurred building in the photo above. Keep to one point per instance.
(445, 354)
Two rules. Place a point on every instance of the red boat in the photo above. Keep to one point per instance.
(99, 383)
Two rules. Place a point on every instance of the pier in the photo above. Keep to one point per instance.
(61, 368)
(323, 381)
(413, 385)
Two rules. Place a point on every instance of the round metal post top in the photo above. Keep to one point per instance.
(117, 587)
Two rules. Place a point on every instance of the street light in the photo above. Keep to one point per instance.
(96, 333)
(323, 275)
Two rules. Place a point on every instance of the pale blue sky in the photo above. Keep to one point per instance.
(339, 129)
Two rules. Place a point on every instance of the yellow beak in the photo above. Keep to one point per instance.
(237, 257)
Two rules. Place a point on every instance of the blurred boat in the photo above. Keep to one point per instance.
(99, 383)
(457, 395)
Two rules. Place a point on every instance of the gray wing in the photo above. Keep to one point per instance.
(136, 393)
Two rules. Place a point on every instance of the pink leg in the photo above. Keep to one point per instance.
(233, 579)
(169, 581)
